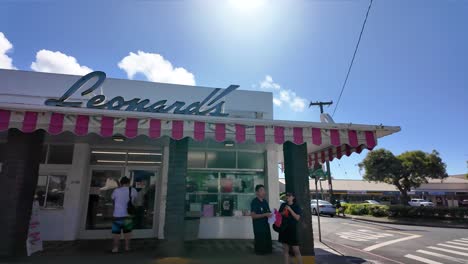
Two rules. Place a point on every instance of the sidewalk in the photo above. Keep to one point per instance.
(412, 221)
(151, 251)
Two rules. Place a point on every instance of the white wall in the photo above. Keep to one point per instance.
(34, 88)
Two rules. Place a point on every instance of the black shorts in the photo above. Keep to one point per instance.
(289, 237)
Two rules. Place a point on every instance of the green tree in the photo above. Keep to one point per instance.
(406, 171)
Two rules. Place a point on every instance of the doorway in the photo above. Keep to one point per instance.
(104, 179)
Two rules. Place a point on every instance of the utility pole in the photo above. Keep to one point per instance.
(321, 104)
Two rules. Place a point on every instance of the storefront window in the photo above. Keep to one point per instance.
(214, 193)
(125, 157)
(226, 159)
(50, 190)
(249, 160)
(196, 159)
(57, 154)
(60, 154)
(221, 159)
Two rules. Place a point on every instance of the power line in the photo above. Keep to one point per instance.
(354, 56)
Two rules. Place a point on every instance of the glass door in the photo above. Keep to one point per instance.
(100, 204)
(145, 181)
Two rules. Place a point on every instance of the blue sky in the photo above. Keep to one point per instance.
(411, 69)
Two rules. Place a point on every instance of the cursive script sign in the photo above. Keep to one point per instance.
(211, 105)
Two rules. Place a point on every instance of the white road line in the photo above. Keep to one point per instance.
(372, 233)
(443, 256)
(450, 251)
(450, 246)
(455, 243)
(383, 244)
(425, 260)
(386, 230)
(461, 241)
(351, 237)
(370, 236)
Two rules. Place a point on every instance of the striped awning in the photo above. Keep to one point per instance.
(328, 141)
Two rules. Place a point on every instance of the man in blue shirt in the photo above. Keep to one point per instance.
(260, 211)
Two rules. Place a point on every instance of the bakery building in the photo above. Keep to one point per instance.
(193, 153)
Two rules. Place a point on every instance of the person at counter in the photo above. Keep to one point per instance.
(260, 212)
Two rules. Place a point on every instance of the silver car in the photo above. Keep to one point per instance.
(325, 207)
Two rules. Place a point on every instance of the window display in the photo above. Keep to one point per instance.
(220, 193)
(50, 190)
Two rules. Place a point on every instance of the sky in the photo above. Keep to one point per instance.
(411, 68)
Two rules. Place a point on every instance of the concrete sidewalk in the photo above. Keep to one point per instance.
(149, 251)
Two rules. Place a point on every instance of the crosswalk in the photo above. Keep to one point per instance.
(363, 235)
(455, 251)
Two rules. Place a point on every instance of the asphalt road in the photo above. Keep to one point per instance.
(386, 243)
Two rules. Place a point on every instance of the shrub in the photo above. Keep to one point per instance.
(367, 209)
(406, 211)
(427, 212)
(379, 210)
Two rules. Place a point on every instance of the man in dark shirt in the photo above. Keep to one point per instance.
(260, 211)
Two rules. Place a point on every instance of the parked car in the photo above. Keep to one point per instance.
(371, 202)
(463, 203)
(420, 202)
(325, 208)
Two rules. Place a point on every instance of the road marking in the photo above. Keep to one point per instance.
(369, 253)
(462, 241)
(450, 246)
(425, 260)
(397, 232)
(442, 256)
(455, 243)
(383, 244)
(367, 232)
(450, 251)
(362, 235)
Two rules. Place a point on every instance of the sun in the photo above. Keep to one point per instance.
(247, 5)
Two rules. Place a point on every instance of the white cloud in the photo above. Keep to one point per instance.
(5, 47)
(155, 68)
(269, 84)
(57, 62)
(277, 102)
(283, 96)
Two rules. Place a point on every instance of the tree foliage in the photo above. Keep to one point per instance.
(406, 171)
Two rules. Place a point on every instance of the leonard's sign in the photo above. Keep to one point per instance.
(210, 105)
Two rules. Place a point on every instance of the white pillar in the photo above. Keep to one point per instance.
(272, 180)
(75, 194)
(163, 195)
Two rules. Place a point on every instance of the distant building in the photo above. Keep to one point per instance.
(448, 192)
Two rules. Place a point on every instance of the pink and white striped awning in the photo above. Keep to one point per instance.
(329, 141)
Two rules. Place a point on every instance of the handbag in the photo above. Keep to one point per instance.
(130, 207)
(281, 222)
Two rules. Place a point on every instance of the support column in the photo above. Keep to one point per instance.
(174, 228)
(76, 193)
(19, 175)
(272, 180)
(297, 181)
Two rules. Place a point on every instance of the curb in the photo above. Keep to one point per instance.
(408, 223)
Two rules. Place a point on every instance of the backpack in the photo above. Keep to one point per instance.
(131, 210)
